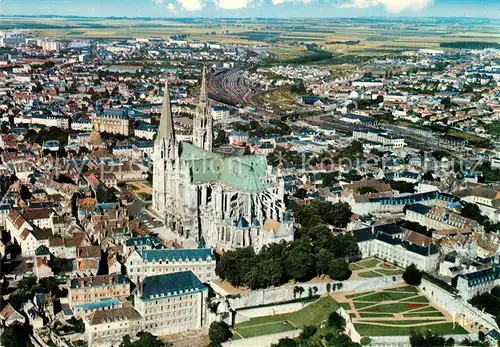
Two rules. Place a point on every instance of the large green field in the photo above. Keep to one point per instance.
(363, 36)
(313, 314)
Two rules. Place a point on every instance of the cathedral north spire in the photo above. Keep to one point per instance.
(203, 123)
(203, 88)
(166, 130)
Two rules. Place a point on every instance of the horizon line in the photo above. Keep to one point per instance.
(250, 17)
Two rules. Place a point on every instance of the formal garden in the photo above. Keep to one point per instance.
(396, 311)
(373, 267)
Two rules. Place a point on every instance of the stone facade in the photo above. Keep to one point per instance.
(220, 201)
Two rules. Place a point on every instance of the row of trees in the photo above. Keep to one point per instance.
(315, 252)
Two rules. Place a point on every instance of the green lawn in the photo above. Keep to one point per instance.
(369, 274)
(377, 330)
(345, 305)
(409, 289)
(390, 272)
(357, 295)
(354, 267)
(420, 298)
(265, 329)
(262, 320)
(396, 307)
(313, 314)
(374, 314)
(405, 322)
(423, 314)
(368, 263)
(385, 296)
(360, 305)
(424, 309)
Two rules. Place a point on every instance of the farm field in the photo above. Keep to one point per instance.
(395, 311)
(346, 36)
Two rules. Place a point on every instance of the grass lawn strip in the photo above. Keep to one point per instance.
(368, 263)
(375, 315)
(390, 272)
(360, 305)
(423, 314)
(423, 309)
(354, 267)
(397, 307)
(404, 322)
(385, 296)
(265, 329)
(409, 289)
(345, 305)
(377, 330)
(358, 295)
(420, 298)
(369, 274)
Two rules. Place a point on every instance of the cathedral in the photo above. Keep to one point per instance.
(223, 202)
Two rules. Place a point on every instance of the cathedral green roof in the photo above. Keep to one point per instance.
(241, 172)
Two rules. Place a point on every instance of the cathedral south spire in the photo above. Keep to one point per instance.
(166, 131)
(202, 124)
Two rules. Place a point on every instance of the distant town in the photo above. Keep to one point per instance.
(178, 192)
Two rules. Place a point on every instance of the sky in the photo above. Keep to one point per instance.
(254, 8)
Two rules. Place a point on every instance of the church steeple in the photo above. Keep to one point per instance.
(203, 88)
(202, 124)
(166, 130)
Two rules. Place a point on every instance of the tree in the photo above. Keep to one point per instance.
(16, 335)
(336, 321)
(145, 340)
(324, 258)
(286, 342)
(307, 332)
(25, 193)
(412, 275)
(365, 341)
(430, 339)
(481, 336)
(299, 264)
(300, 193)
(472, 211)
(338, 269)
(367, 190)
(218, 333)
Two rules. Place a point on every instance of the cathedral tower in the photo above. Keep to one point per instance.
(203, 123)
(164, 156)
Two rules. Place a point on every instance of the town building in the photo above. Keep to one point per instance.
(387, 242)
(113, 121)
(439, 218)
(106, 328)
(171, 303)
(150, 262)
(478, 282)
(92, 289)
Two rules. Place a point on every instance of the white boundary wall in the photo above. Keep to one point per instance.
(263, 340)
(286, 292)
